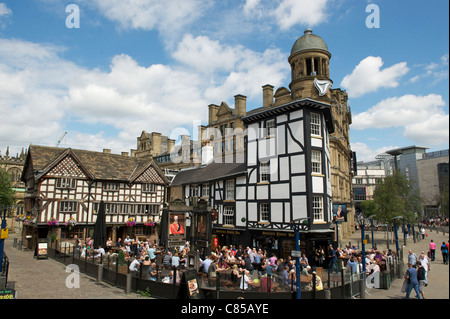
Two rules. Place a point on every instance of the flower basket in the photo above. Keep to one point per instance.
(53, 222)
(149, 224)
(20, 218)
(131, 222)
(29, 220)
(71, 223)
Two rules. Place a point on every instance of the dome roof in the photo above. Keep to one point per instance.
(309, 41)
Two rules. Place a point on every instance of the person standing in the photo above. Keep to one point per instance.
(444, 251)
(413, 282)
(421, 278)
(412, 258)
(422, 232)
(432, 250)
(333, 259)
(425, 261)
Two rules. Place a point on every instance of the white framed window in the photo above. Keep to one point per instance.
(228, 215)
(264, 212)
(149, 188)
(318, 208)
(194, 190)
(68, 207)
(264, 172)
(66, 183)
(316, 162)
(229, 189)
(270, 128)
(316, 124)
(111, 186)
(205, 190)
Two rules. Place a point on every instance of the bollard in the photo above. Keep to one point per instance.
(327, 294)
(129, 279)
(362, 287)
(99, 272)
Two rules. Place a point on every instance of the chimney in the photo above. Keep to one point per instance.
(212, 113)
(124, 153)
(170, 145)
(107, 151)
(267, 95)
(202, 134)
(156, 144)
(240, 105)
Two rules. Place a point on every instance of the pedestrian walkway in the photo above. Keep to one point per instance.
(438, 277)
(46, 278)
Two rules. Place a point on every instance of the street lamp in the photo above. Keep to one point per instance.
(297, 224)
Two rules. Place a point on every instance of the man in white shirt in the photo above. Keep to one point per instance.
(425, 261)
(134, 266)
(100, 251)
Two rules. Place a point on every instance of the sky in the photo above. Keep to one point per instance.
(104, 70)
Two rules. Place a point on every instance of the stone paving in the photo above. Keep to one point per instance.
(438, 277)
(46, 278)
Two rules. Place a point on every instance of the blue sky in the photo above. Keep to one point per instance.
(156, 65)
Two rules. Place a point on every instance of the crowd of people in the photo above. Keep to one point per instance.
(416, 276)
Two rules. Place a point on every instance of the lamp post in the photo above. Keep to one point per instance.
(297, 224)
(396, 234)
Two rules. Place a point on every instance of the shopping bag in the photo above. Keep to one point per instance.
(405, 285)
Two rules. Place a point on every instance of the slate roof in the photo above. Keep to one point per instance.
(207, 173)
(100, 166)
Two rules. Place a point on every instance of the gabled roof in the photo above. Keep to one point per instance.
(264, 112)
(96, 165)
(208, 173)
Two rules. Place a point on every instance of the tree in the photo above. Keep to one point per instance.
(397, 196)
(6, 190)
(369, 208)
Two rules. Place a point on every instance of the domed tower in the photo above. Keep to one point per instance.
(309, 62)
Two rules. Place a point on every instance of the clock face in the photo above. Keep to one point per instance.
(322, 86)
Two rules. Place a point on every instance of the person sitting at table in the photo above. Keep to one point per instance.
(146, 261)
(152, 272)
(285, 277)
(119, 243)
(245, 280)
(109, 243)
(319, 284)
(235, 274)
(293, 279)
(303, 261)
(306, 271)
(378, 256)
(100, 251)
(267, 268)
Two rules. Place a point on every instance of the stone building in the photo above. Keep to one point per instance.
(310, 160)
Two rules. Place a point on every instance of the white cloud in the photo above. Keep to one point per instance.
(4, 10)
(116, 104)
(366, 154)
(168, 17)
(422, 118)
(368, 77)
(302, 12)
(230, 70)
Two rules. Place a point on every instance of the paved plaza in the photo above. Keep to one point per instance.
(46, 278)
(438, 277)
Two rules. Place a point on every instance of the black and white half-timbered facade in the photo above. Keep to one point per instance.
(285, 179)
(66, 185)
(288, 174)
